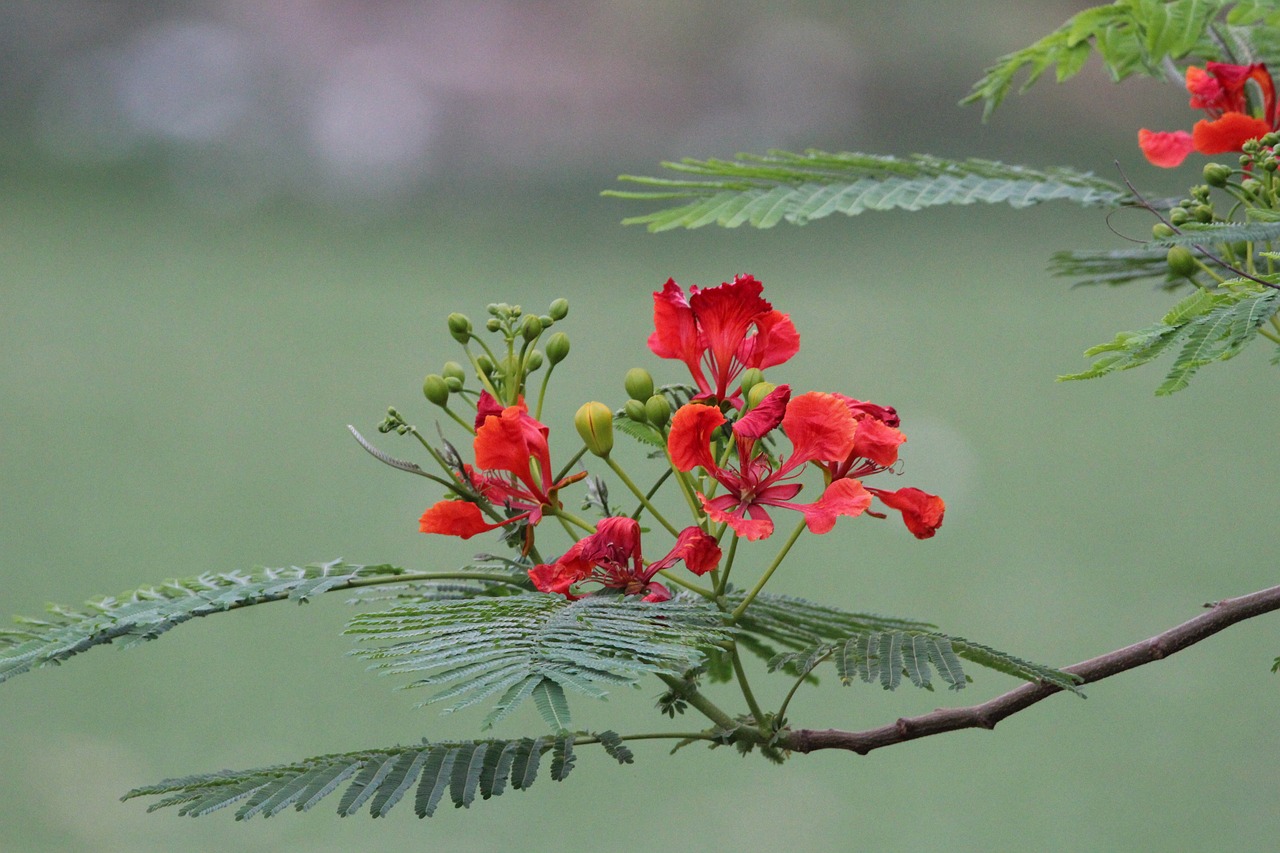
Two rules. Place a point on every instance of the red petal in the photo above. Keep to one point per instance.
(1226, 134)
(775, 341)
(820, 426)
(758, 526)
(766, 416)
(843, 497)
(690, 439)
(878, 442)
(699, 551)
(921, 511)
(1165, 149)
(454, 518)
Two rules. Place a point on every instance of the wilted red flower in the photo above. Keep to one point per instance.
(511, 451)
(612, 558)
(720, 332)
(1223, 92)
(819, 426)
(875, 449)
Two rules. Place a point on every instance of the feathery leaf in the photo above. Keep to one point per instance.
(762, 190)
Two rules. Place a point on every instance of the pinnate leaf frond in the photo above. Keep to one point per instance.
(764, 189)
(378, 778)
(536, 646)
(146, 613)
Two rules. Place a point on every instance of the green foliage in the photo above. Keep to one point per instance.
(1208, 326)
(378, 777)
(146, 613)
(1131, 37)
(1114, 267)
(763, 190)
(534, 645)
(885, 656)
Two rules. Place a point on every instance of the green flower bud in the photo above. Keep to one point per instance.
(485, 365)
(435, 389)
(1216, 174)
(493, 324)
(547, 320)
(452, 368)
(531, 328)
(460, 327)
(638, 384)
(1161, 231)
(532, 361)
(751, 377)
(635, 410)
(1203, 213)
(758, 392)
(453, 383)
(557, 347)
(1177, 216)
(594, 423)
(1182, 262)
(1252, 186)
(559, 309)
(658, 410)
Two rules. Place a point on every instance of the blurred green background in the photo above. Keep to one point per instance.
(228, 232)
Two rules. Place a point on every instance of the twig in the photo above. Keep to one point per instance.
(1219, 616)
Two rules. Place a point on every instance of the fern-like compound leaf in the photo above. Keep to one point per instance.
(379, 778)
(536, 646)
(146, 613)
(763, 190)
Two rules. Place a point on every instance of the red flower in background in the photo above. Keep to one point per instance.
(512, 450)
(819, 426)
(612, 558)
(1223, 92)
(720, 332)
(875, 449)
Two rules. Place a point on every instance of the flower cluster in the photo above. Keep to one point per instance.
(723, 446)
(1240, 101)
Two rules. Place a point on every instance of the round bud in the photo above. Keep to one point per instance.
(635, 410)
(658, 410)
(751, 377)
(1203, 213)
(638, 384)
(531, 328)
(532, 361)
(559, 309)
(758, 392)
(452, 368)
(1161, 231)
(1177, 216)
(493, 324)
(453, 383)
(435, 389)
(459, 327)
(557, 347)
(594, 423)
(485, 364)
(1216, 174)
(1252, 186)
(547, 320)
(1182, 262)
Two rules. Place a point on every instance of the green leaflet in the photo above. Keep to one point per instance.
(763, 190)
(1115, 266)
(1208, 326)
(885, 656)
(1130, 36)
(379, 778)
(535, 646)
(146, 613)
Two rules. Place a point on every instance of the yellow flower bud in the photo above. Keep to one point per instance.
(594, 422)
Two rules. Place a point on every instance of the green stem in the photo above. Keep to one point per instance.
(782, 709)
(686, 489)
(564, 472)
(705, 706)
(451, 413)
(681, 582)
(738, 669)
(542, 395)
(573, 519)
(722, 581)
(635, 490)
(777, 561)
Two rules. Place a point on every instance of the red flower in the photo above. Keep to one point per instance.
(512, 450)
(819, 426)
(612, 558)
(1222, 91)
(875, 449)
(721, 331)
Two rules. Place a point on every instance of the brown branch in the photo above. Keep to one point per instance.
(1219, 616)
